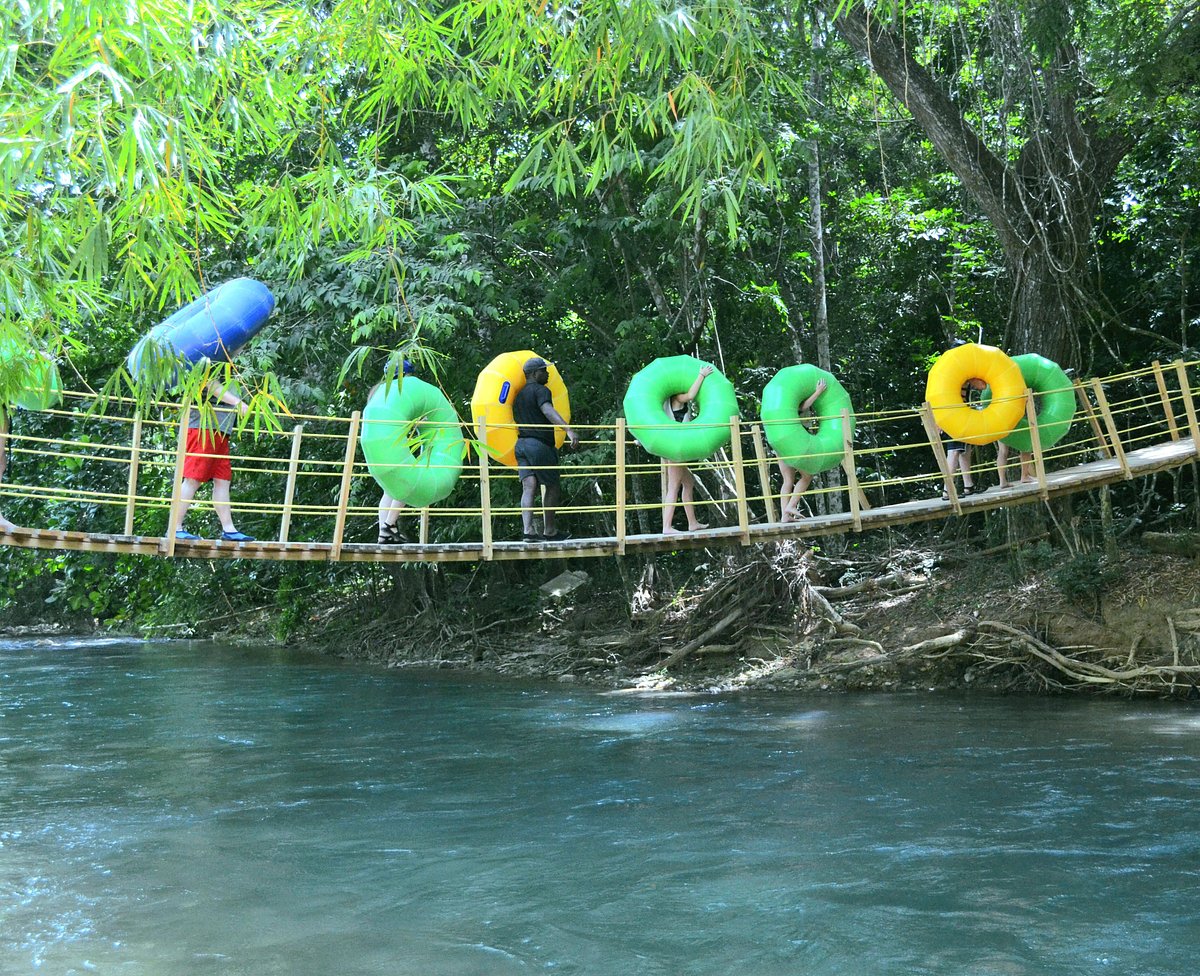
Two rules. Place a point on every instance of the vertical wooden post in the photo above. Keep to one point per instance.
(1035, 437)
(662, 486)
(851, 470)
(135, 456)
(739, 479)
(289, 490)
(177, 485)
(423, 528)
(1163, 395)
(1110, 423)
(620, 513)
(939, 452)
(1091, 416)
(339, 523)
(1189, 406)
(764, 471)
(485, 487)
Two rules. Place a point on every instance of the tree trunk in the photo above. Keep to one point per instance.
(1043, 203)
(1041, 317)
(817, 224)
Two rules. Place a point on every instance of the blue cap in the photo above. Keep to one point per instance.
(394, 372)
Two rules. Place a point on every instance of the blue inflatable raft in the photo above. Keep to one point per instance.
(213, 327)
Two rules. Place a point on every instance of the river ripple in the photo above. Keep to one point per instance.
(189, 808)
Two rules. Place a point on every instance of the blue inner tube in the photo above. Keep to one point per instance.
(212, 327)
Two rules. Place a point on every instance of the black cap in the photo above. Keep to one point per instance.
(534, 364)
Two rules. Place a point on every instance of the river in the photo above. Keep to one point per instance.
(176, 807)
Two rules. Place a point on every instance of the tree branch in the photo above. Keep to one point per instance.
(983, 175)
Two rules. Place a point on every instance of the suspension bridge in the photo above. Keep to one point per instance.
(125, 466)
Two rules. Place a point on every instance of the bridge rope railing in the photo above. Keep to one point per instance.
(310, 483)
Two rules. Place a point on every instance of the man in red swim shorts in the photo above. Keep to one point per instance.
(207, 459)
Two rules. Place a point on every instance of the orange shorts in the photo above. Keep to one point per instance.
(207, 456)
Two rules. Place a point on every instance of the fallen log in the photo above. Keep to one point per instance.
(1173, 543)
(718, 628)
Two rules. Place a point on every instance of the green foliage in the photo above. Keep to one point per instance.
(604, 183)
(1085, 576)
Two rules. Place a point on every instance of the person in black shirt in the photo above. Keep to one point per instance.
(537, 457)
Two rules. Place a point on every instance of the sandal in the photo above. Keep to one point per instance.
(973, 490)
(389, 535)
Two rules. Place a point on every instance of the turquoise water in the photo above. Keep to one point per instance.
(188, 808)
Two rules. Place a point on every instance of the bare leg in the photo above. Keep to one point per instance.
(688, 496)
(529, 488)
(550, 502)
(221, 504)
(674, 482)
(964, 465)
(389, 512)
(187, 492)
(1002, 451)
(786, 502)
(1028, 474)
(802, 483)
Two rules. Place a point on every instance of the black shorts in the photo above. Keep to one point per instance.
(956, 446)
(537, 459)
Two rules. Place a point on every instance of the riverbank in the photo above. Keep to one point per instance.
(1032, 620)
(1026, 621)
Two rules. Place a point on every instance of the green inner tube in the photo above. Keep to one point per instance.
(401, 419)
(657, 431)
(28, 378)
(1054, 398)
(805, 451)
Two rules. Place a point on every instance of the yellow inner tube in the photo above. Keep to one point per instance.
(496, 389)
(963, 421)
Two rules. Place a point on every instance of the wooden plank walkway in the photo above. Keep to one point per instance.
(1082, 477)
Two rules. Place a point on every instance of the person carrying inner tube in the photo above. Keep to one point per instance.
(537, 457)
(389, 507)
(681, 483)
(207, 459)
(958, 453)
(795, 483)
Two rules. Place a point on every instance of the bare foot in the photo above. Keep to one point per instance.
(699, 526)
(671, 530)
(1029, 481)
(6, 525)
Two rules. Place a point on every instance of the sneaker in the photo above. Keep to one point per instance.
(182, 535)
(559, 536)
(236, 537)
(532, 537)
